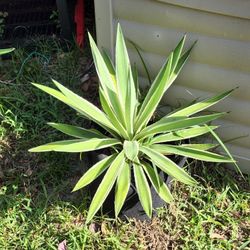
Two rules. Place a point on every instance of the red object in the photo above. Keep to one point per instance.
(79, 20)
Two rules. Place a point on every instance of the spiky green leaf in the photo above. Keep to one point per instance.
(168, 166)
(131, 105)
(169, 124)
(74, 146)
(181, 61)
(226, 150)
(197, 107)
(111, 114)
(201, 146)
(122, 187)
(110, 67)
(154, 94)
(94, 172)
(107, 82)
(125, 82)
(143, 189)
(160, 187)
(190, 152)
(6, 51)
(77, 132)
(136, 81)
(80, 105)
(122, 66)
(163, 81)
(182, 134)
(106, 185)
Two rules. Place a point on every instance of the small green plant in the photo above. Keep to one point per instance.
(8, 121)
(3, 16)
(136, 146)
(55, 18)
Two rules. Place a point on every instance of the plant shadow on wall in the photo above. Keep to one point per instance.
(138, 148)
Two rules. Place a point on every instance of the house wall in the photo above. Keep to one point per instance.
(220, 60)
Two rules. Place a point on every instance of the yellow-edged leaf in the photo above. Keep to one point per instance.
(143, 189)
(190, 152)
(78, 145)
(122, 187)
(168, 166)
(94, 172)
(160, 187)
(106, 185)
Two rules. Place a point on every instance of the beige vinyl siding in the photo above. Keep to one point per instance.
(234, 8)
(220, 60)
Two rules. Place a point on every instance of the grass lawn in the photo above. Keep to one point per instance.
(37, 208)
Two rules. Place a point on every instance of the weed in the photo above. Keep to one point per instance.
(3, 16)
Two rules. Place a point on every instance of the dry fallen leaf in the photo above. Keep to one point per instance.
(94, 227)
(216, 236)
(29, 172)
(104, 228)
(62, 245)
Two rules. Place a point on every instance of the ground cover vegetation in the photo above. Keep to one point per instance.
(37, 209)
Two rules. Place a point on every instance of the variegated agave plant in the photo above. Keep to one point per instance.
(136, 147)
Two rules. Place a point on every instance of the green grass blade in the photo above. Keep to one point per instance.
(197, 107)
(160, 187)
(75, 131)
(168, 166)
(190, 152)
(182, 134)
(75, 146)
(106, 185)
(143, 189)
(169, 124)
(122, 187)
(95, 171)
